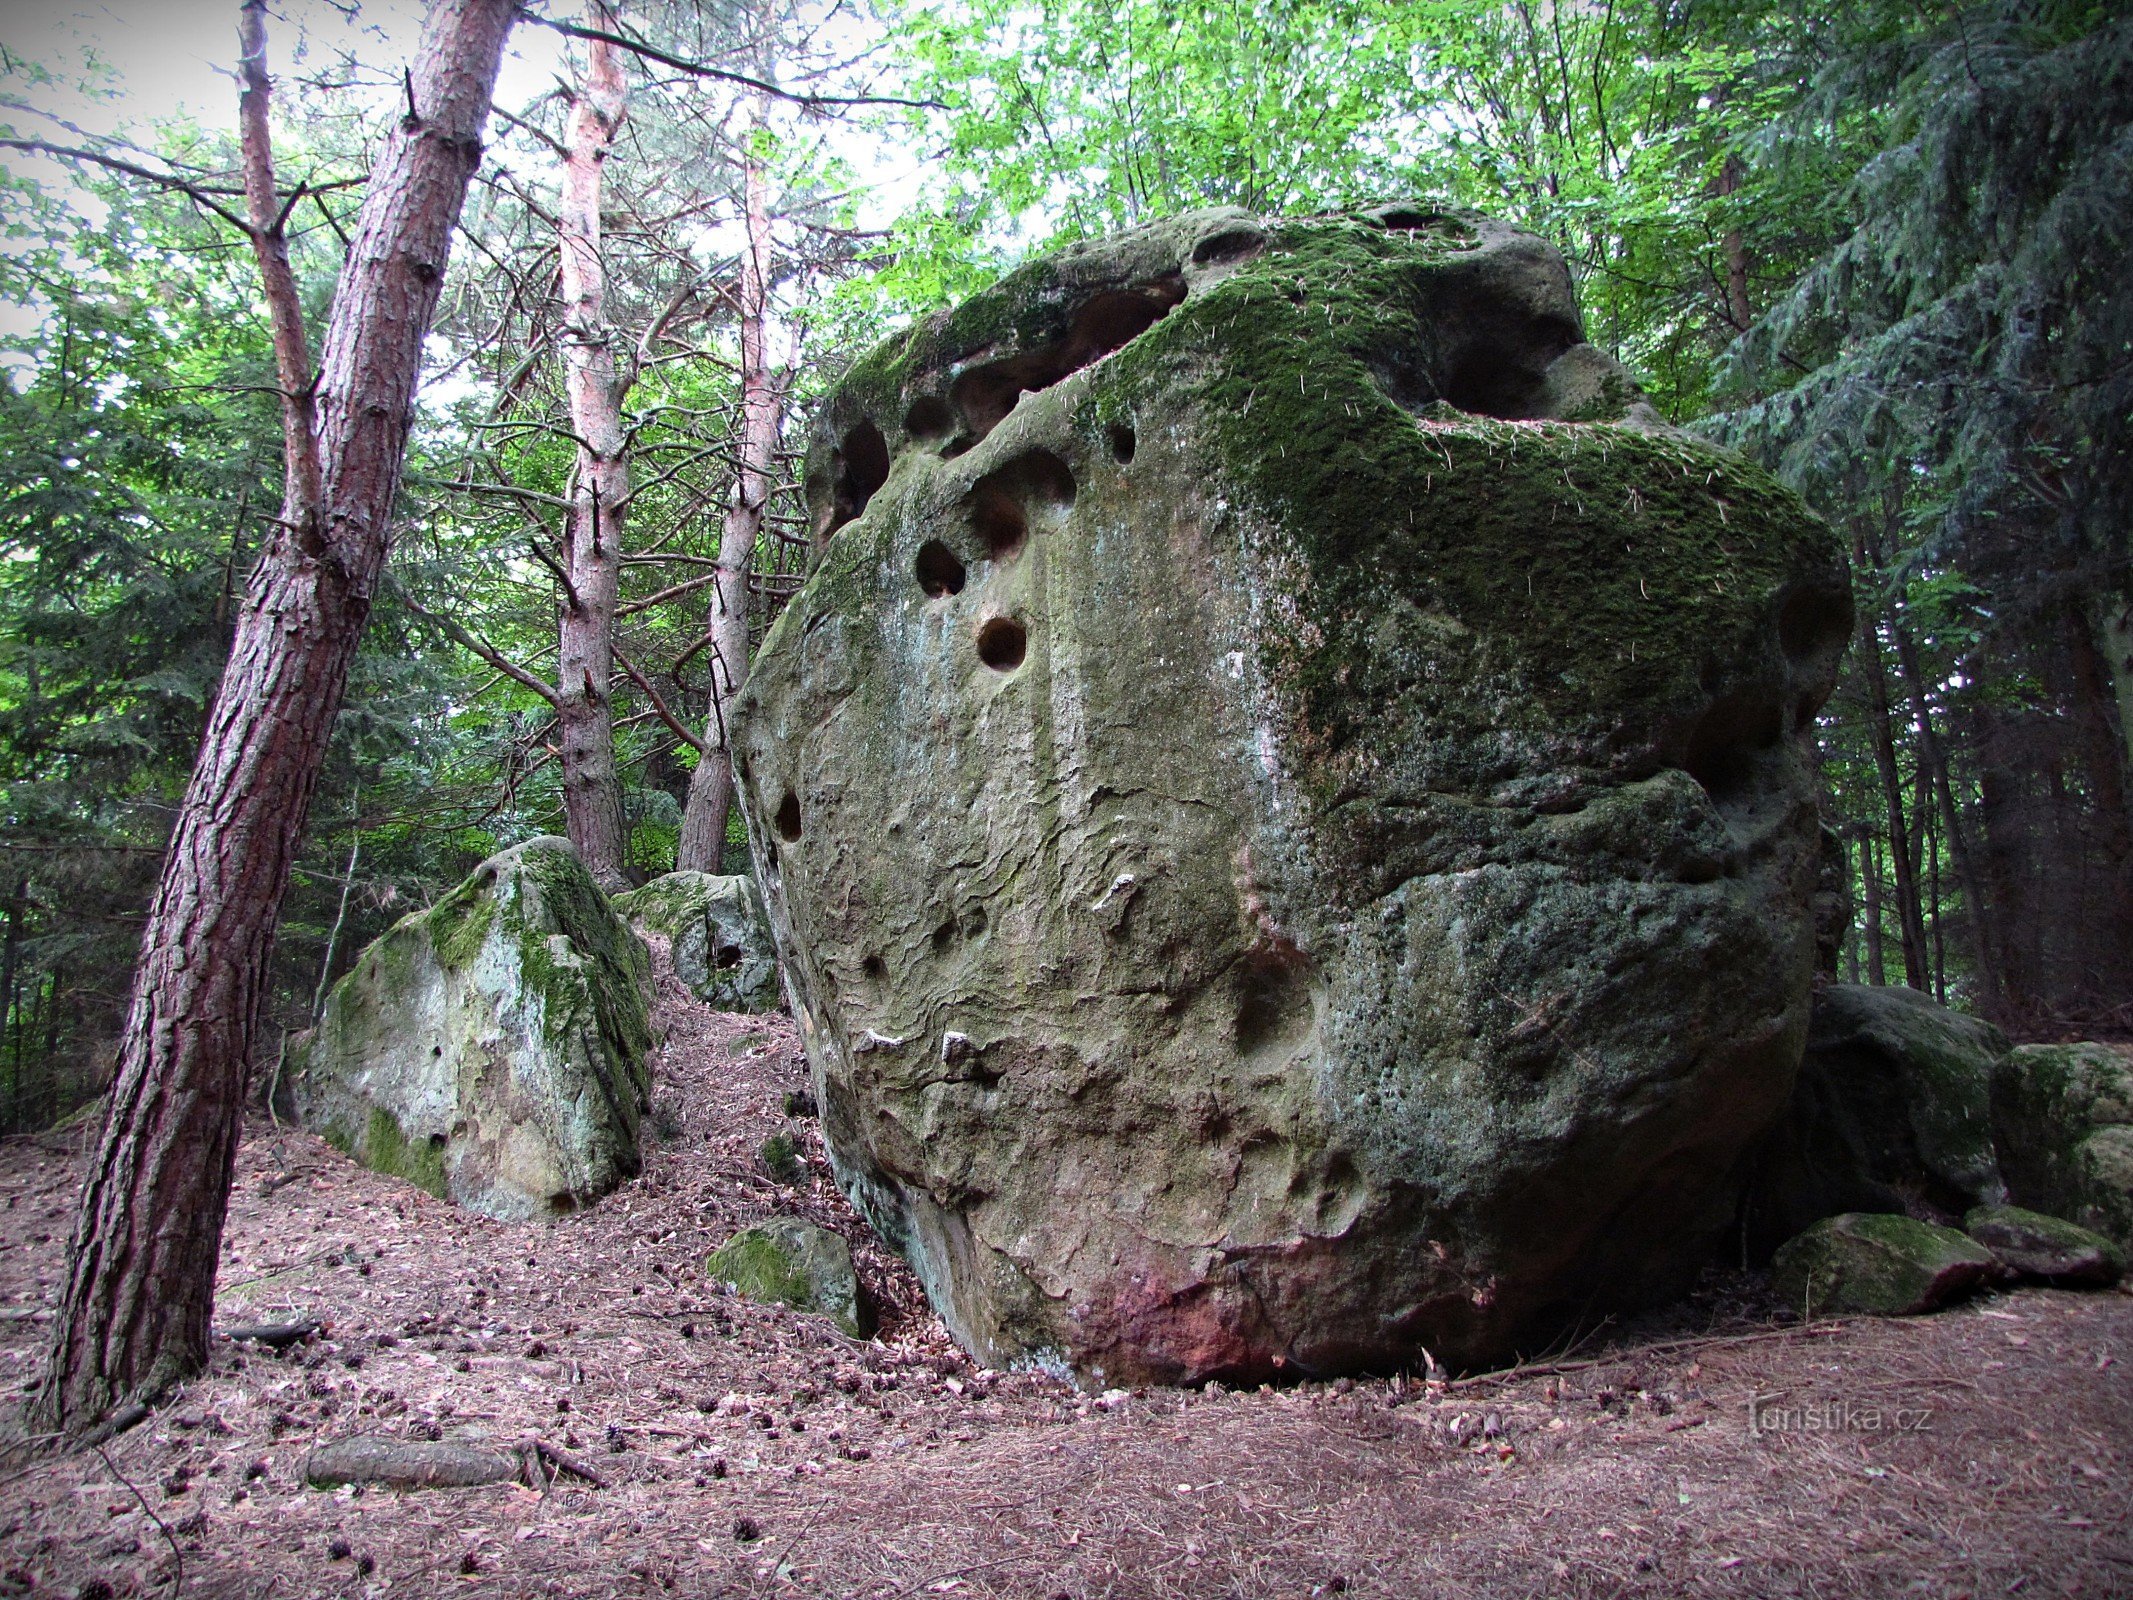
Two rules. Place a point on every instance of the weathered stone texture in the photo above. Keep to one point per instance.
(1878, 1264)
(2063, 1118)
(1892, 1111)
(493, 1049)
(720, 936)
(1291, 841)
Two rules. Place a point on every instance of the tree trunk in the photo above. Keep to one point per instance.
(1738, 310)
(1933, 755)
(703, 822)
(135, 1311)
(1876, 969)
(1910, 920)
(592, 540)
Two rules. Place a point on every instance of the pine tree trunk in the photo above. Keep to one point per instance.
(1934, 755)
(703, 822)
(592, 548)
(1910, 920)
(1876, 968)
(135, 1311)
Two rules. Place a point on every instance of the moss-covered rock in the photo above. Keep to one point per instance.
(1282, 805)
(2046, 1248)
(1881, 1265)
(495, 1049)
(2062, 1115)
(1892, 1111)
(790, 1262)
(722, 945)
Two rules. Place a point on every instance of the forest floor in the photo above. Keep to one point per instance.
(748, 1450)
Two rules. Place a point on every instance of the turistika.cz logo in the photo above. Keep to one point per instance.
(1776, 1414)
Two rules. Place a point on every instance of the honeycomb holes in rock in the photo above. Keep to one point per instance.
(984, 396)
(1502, 372)
(788, 818)
(1729, 737)
(940, 573)
(858, 468)
(1002, 502)
(1002, 643)
(1814, 626)
(1122, 442)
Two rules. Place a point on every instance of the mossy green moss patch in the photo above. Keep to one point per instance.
(795, 1264)
(1889, 1266)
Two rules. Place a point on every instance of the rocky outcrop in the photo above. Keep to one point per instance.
(1283, 804)
(721, 938)
(1892, 1112)
(1878, 1265)
(2048, 1249)
(493, 1049)
(2062, 1116)
(797, 1264)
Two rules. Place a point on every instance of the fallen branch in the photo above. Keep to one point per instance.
(533, 1450)
(408, 1464)
(274, 1335)
(442, 1463)
(1545, 1369)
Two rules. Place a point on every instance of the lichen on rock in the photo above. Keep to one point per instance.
(1283, 804)
(2049, 1249)
(494, 1049)
(721, 939)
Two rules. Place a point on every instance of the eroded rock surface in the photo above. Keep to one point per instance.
(721, 938)
(1881, 1265)
(493, 1049)
(1283, 804)
(1892, 1111)
(2063, 1118)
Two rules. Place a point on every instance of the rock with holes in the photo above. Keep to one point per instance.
(721, 939)
(1283, 804)
(493, 1049)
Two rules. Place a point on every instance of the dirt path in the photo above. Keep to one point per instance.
(750, 1451)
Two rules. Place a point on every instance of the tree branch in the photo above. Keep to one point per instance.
(699, 70)
(467, 641)
(659, 705)
(192, 191)
(304, 492)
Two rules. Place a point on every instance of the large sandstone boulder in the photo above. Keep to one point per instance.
(1283, 804)
(720, 935)
(493, 1049)
(1892, 1112)
(2063, 1118)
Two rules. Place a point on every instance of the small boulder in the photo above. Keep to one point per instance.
(722, 945)
(2048, 1248)
(494, 1049)
(1880, 1265)
(2062, 1115)
(788, 1262)
(1891, 1110)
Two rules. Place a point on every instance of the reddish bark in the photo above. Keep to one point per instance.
(592, 540)
(135, 1312)
(703, 821)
